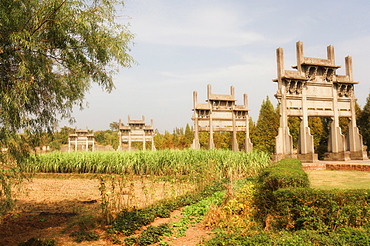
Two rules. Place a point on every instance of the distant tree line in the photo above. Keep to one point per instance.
(262, 132)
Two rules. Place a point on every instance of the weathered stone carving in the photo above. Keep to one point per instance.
(314, 89)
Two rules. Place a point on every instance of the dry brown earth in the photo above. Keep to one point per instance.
(54, 207)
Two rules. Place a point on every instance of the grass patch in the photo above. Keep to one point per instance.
(337, 179)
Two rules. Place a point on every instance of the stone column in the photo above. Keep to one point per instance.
(336, 141)
(306, 151)
(195, 144)
(248, 146)
(144, 141)
(129, 141)
(234, 145)
(284, 141)
(354, 138)
(211, 144)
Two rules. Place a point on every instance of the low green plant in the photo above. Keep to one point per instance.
(81, 236)
(128, 221)
(153, 234)
(38, 242)
(196, 212)
(236, 213)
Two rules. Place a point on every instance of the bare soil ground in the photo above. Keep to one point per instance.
(52, 208)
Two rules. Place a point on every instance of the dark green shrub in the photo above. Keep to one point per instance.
(38, 242)
(321, 210)
(289, 163)
(81, 236)
(345, 236)
(283, 174)
(153, 234)
(129, 241)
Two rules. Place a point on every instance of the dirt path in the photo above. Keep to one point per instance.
(52, 208)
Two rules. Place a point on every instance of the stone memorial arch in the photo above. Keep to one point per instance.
(135, 131)
(81, 140)
(314, 89)
(221, 114)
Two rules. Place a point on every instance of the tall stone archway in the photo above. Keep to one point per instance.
(221, 114)
(314, 89)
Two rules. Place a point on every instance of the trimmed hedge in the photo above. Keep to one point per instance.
(344, 236)
(321, 210)
(285, 201)
(283, 174)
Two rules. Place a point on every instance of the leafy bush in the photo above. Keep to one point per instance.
(321, 210)
(153, 234)
(345, 236)
(283, 174)
(38, 242)
(81, 236)
(236, 213)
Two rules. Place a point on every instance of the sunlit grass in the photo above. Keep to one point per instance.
(337, 179)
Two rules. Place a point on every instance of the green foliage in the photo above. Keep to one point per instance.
(179, 139)
(196, 212)
(309, 209)
(319, 127)
(81, 236)
(237, 211)
(294, 124)
(128, 221)
(293, 214)
(114, 126)
(38, 242)
(8, 177)
(189, 135)
(346, 236)
(265, 132)
(107, 137)
(363, 122)
(283, 174)
(153, 234)
(51, 51)
(165, 162)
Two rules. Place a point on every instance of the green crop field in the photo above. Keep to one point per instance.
(163, 162)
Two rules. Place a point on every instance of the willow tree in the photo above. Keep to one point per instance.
(51, 52)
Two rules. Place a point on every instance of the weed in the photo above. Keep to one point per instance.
(81, 236)
(38, 242)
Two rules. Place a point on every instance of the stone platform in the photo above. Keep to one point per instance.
(357, 165)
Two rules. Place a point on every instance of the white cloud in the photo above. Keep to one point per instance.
(204, 25)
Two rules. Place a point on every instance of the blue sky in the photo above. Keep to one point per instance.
(181, 46)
